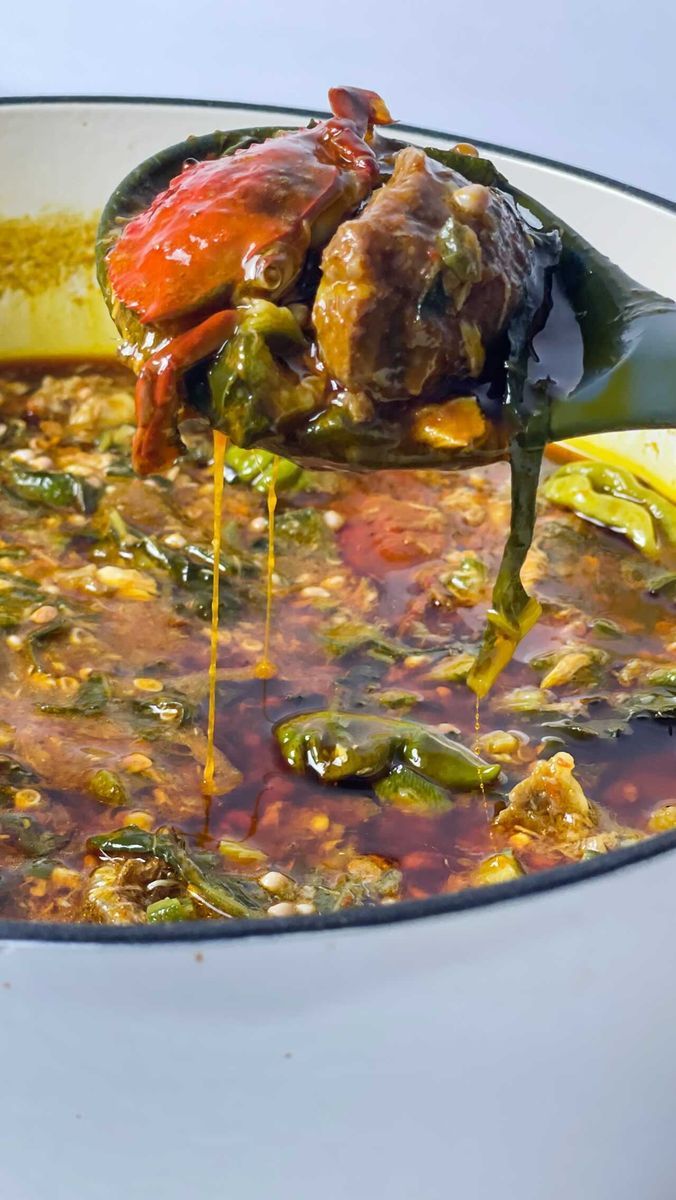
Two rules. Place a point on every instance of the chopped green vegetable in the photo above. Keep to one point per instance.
(256, 467)
(18, 595)
(54, 489)
(302, 530)
(42, 633)
(452, 669)
(225, 895)
(349, 637)
(191, 569)
(28, 836)
(663, 677)
(251, 387)
(498, 868)
(466, 581)
(91, 698)
(334, 894)
(170, 909)
(663, 585)
(14, 774)
(562, 666)
(527, 700)
(460, 253)
(108, 787)
(396, 698)
(604, 627)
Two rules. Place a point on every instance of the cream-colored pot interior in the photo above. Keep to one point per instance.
(60, 163)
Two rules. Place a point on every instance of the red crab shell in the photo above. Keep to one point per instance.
(230, 228)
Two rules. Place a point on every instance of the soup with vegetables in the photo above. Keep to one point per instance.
(361, 770)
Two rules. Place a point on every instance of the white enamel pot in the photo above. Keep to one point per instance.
(516, 1042)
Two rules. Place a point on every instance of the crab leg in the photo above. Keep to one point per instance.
(156, 441)
(362, 107)
(347, 135)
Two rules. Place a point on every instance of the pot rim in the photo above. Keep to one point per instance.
(291, 110)
(358, 917)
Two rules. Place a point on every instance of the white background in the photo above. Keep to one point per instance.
(590, 82)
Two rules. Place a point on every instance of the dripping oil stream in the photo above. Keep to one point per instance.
(220, 447)
(477, 735)
(265, 668)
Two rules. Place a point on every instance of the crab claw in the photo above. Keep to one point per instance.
(157, 443)
(363, 108)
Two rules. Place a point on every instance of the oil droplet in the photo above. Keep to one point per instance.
(265, 668)
(220, 447)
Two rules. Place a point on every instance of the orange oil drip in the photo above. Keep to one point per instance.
(265, 668)
(220, 447)
(477, 734)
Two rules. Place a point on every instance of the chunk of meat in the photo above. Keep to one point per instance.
(549, 802)
(417, 286)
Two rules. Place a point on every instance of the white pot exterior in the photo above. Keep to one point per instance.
(519, 1049)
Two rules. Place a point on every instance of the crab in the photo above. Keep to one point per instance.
(229, 230)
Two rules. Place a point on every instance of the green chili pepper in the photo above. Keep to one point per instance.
(130, 840)
(615, 481)
(411, 791)
(614, 498)
(339, 746)
(445, 761)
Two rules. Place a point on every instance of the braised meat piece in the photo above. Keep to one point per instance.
(418, 285)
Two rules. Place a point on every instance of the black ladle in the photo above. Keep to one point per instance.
(628, 332)
(626, 379)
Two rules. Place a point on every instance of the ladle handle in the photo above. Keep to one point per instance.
(636, 392)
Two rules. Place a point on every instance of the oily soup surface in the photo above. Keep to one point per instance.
(381, 587)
